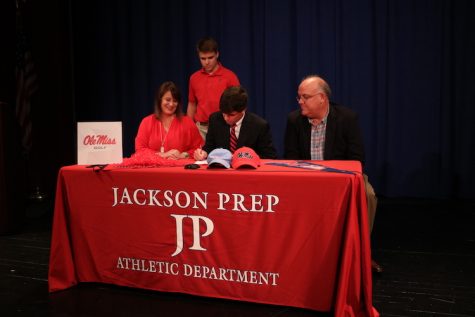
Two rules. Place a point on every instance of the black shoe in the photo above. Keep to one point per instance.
(375, 267)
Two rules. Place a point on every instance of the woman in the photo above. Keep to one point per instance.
(167, 132)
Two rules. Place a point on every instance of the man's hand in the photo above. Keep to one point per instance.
(200, 155)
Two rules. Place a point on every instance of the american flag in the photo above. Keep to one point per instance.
(26, 82)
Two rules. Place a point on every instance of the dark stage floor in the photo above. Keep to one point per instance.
(427, 249)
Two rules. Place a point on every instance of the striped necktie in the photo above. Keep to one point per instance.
(233, 139)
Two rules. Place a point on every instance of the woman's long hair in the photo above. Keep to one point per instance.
(176, 94)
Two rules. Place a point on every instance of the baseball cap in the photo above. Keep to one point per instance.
(245, 157)
(220, 158)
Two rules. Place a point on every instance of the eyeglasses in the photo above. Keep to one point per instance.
(306, 97)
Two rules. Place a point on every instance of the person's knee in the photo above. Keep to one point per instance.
(372, 202)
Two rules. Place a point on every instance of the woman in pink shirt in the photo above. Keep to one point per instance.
(167, 132)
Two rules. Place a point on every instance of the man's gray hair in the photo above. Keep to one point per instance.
(322, 83)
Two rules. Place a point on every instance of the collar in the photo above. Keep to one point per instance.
(217, 72)
(314, 122)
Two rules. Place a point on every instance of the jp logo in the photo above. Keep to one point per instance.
(196, 232)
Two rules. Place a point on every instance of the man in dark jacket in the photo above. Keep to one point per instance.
(321, 130)
(233, 127)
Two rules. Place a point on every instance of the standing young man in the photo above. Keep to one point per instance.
(207, 84)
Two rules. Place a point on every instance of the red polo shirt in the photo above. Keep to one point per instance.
(206, 89)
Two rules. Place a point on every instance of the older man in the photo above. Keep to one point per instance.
(322, 130)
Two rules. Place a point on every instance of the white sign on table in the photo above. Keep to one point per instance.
(99, 143)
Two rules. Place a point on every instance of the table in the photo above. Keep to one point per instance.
(277, 234)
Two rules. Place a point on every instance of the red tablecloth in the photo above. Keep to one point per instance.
(277, 235)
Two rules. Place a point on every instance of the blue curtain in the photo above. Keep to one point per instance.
(407, 67)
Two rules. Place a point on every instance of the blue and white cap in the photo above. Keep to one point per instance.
(220, 158)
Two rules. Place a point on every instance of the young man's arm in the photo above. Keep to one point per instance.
(191, 110)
